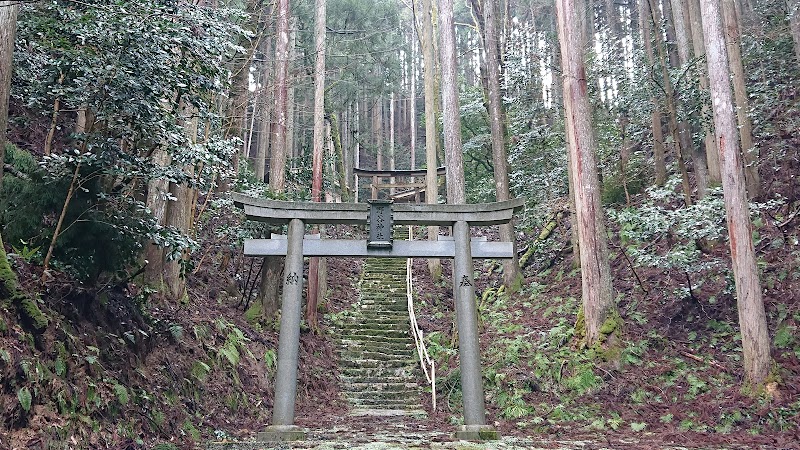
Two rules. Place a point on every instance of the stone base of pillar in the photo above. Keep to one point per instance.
(282, 433)
(476, 433)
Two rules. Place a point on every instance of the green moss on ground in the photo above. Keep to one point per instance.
(26, 307)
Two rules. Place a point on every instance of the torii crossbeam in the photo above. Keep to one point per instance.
(380, 216)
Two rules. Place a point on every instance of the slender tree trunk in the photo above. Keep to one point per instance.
(179, 213)
(712, 158)
(451, 119)
(511, 273)
(290, 99)
(318, 153)
(392, 161)
(793, 6)
(749, 149)
(240, 92)
(377, 134)
(260, 164)
(270, 273)
(659, 155)
(277, 162)
(8, 30)
(347, 150)
(157, 193)
(752, 318)
(431, 178)
(683, 37)
(598, 298)
(672, 109)
(413, 100)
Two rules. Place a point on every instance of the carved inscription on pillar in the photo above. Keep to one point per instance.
(380, 224)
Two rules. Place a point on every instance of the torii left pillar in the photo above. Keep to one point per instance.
(283, 428)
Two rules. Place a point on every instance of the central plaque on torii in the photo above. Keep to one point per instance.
(380, 216)
(380, 224)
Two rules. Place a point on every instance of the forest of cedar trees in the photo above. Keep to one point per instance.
(654, 296)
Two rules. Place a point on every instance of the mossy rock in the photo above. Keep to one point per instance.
(27, 308)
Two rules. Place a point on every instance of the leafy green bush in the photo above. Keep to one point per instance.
(663, 218)
(101, 233)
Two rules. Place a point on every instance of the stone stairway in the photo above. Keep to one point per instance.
(377, 352)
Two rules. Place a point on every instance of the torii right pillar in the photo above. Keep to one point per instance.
(475, 427)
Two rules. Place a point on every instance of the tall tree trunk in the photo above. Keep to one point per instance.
(412, 108)
(598, 298)
(431, 178)
(752, 318)
(312, 294)
(240, 92)
(8, 30)
(277, 162)
(712, 158)
(683, 38)
(377, 134)
(749, 149)
(392, 161)
(672, 108)
(290, 99)
(511, 273)
(793, 6)
(179, 213)
(451, 119)
(264, 137)
(347, 150)
(270, 272)
(157, 194)
(659, 156)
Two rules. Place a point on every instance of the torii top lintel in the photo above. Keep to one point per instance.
(476, 214)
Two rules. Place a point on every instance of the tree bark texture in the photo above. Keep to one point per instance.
(277, 162)
(157, 193)
(712, 158)
(749, 149)
(669, 95)
(429, 75)
(412, 108)
(659, 154)
(451, 119)
(598, 298)
(8, 30)
(793, 6)
(318, 152)
(683, 38)
(752, 318)
(265, 113)
(497, 125)
(179, 212)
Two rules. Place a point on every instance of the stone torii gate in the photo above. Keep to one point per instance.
(380, 216)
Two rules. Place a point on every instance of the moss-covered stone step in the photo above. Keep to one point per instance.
(377, 372)
(387, 297)
(383, 398)
(392, 309)
(374, 319)
(390, 335)
(382, 386)
(369, 315)
(384, 403)
(364, 333)
(389, 364)
(398, 349)
(378, 339)
(359, 354)
(360, 379)
(357, 350)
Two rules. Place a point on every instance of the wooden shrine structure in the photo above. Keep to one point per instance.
(403, 186)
